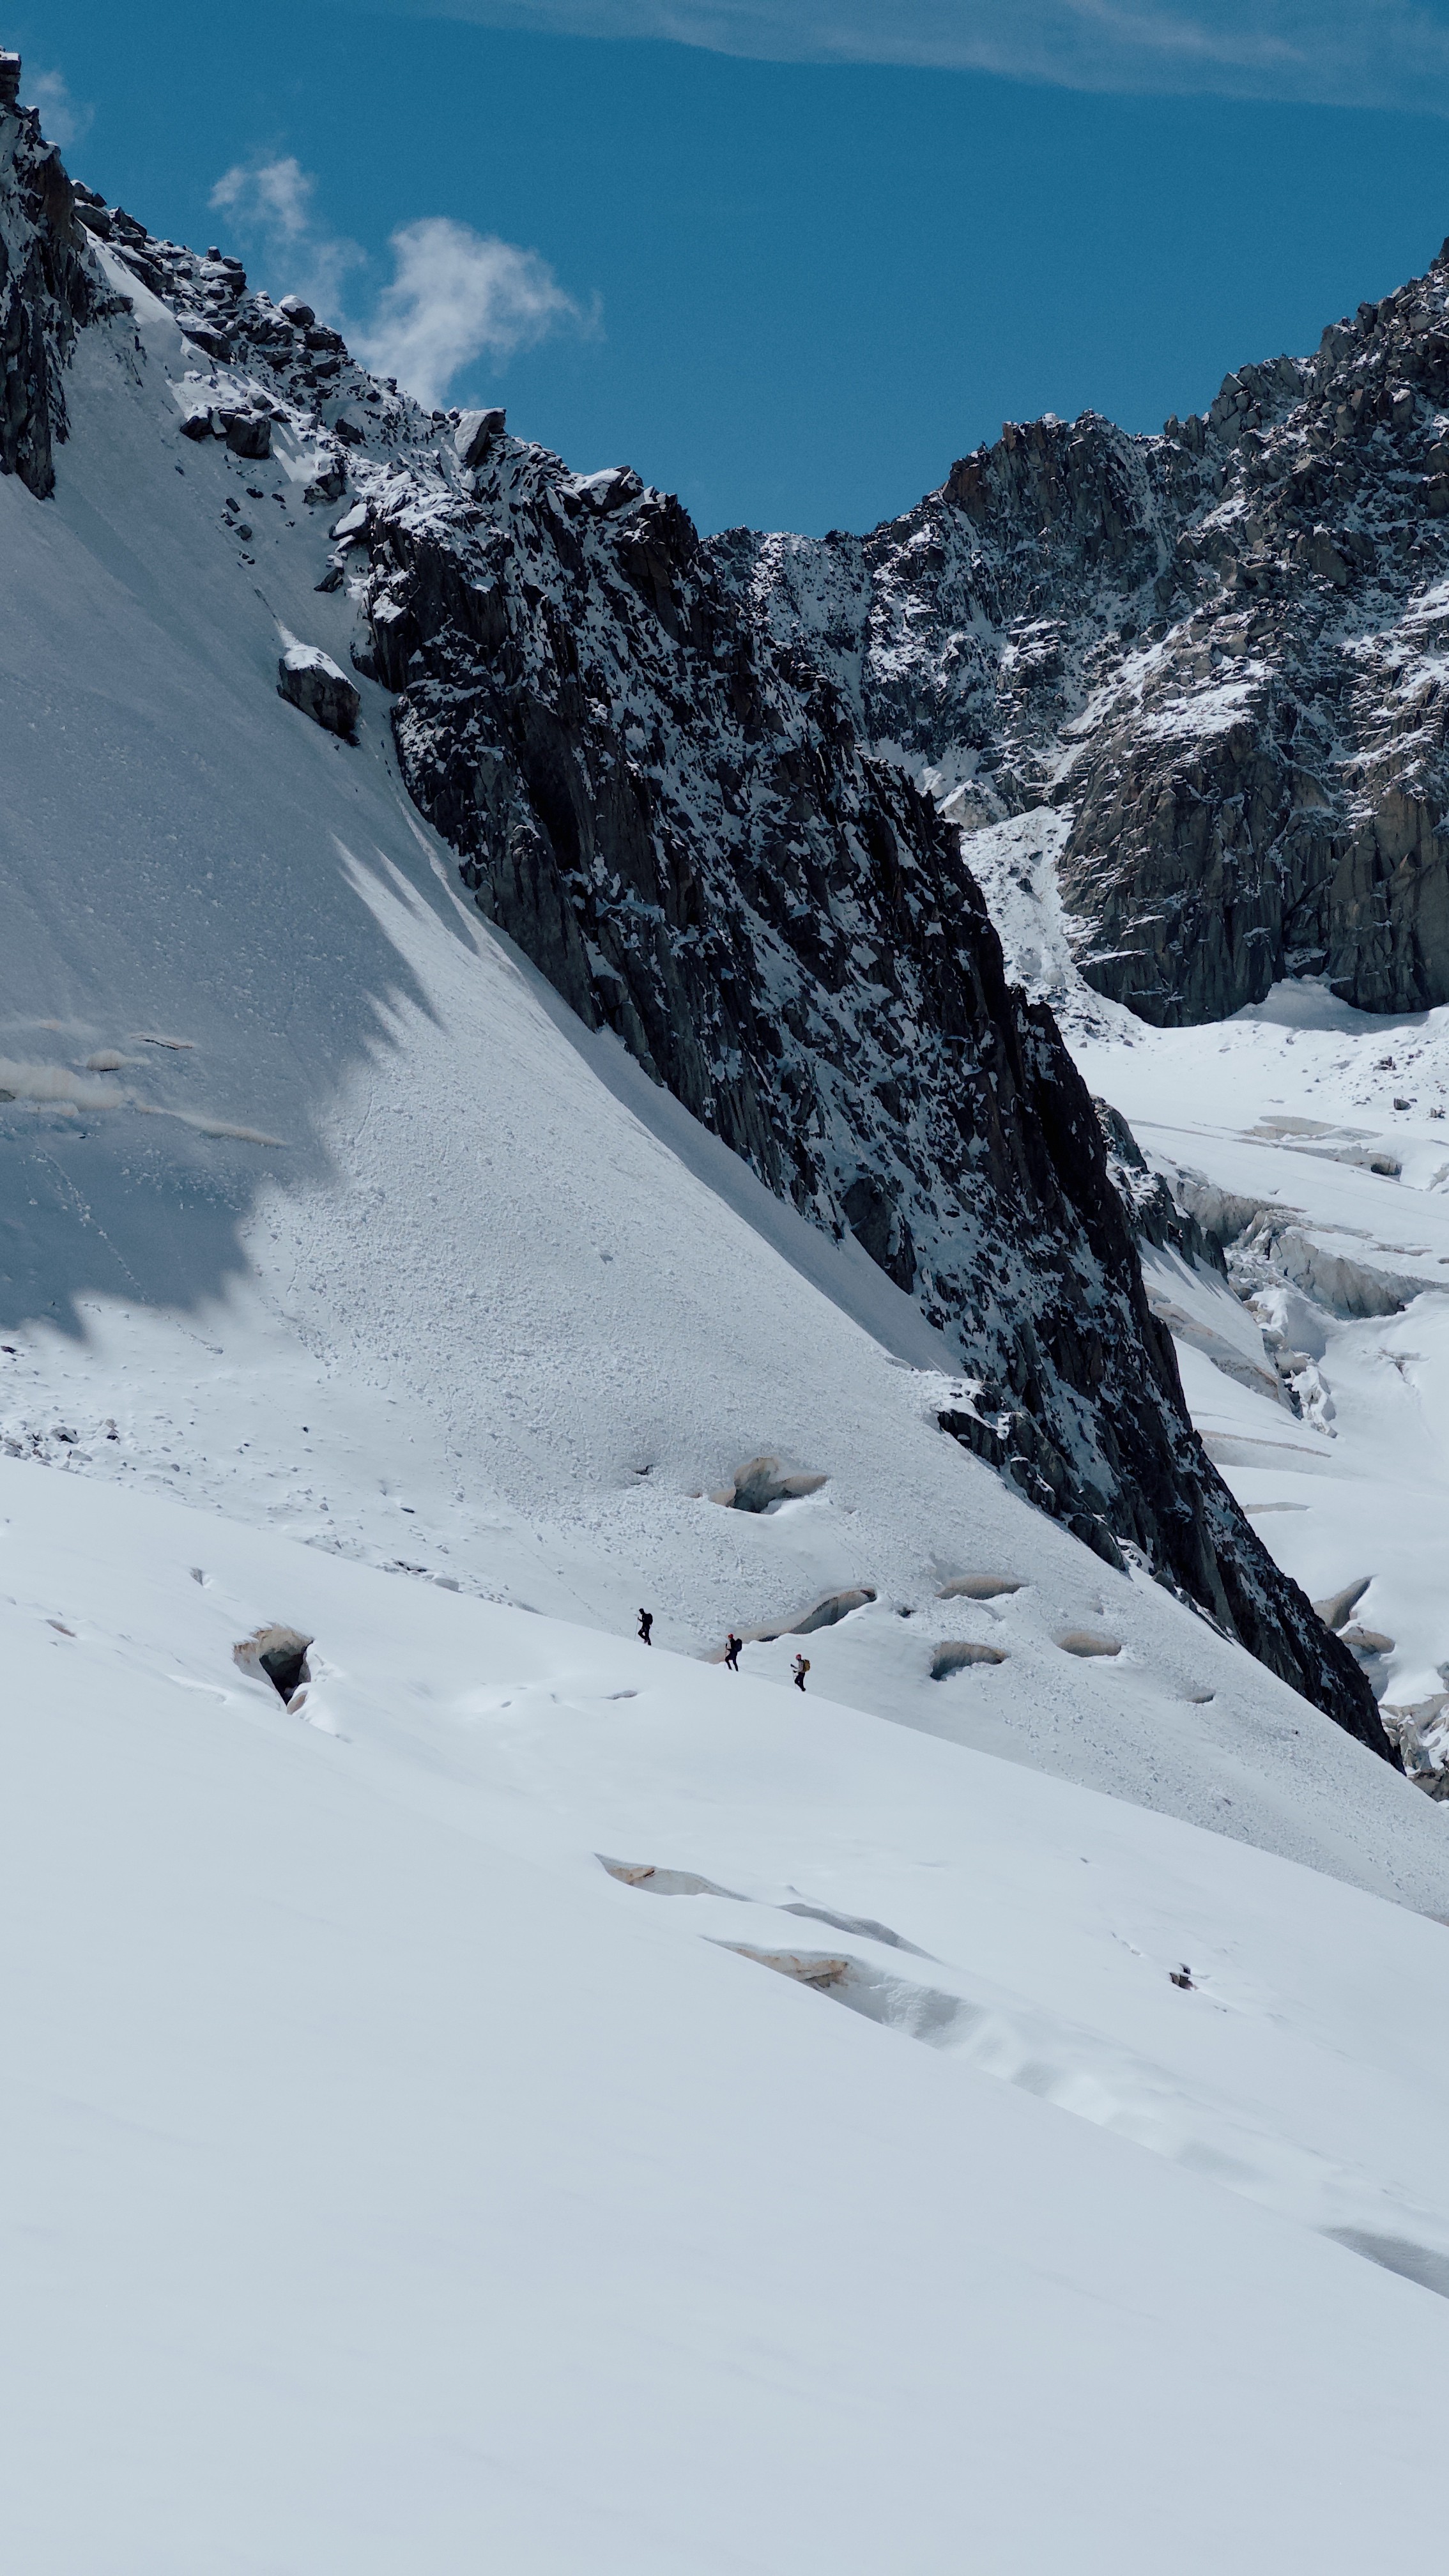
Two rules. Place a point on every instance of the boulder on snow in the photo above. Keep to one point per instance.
(475, 434)
(296, 311)
(217, 344)
(248, 433)
(330, 481)
(309, 679)
(197, 424)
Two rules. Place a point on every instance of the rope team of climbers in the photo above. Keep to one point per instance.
(798, 1669)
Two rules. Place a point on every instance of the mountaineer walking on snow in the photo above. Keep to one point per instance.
(646, 1622)
(799, 1669)
(732, 1651)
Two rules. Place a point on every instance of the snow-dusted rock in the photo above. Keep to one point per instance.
(49, 287)
(329, 482)
(613, 488)
(248, 433)
(1220, 649)
(475, 434)
(311, 680)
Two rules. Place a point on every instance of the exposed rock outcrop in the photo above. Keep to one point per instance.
(311, 681)
(1221, 648)
(1153, 1213)
(48, 289)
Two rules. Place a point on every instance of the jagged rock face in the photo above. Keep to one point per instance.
(1222, 649)
(673, 812)
(679, 823)
(47, 289)
(674, 809)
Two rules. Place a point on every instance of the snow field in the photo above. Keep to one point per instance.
(399, 2186)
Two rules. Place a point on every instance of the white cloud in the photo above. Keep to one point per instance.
(457, 296)
(271, 204)
(64, 120)
(1352, 53)
(276, 194)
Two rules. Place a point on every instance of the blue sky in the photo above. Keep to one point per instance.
(779, 273)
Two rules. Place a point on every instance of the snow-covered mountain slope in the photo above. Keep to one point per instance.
(1310, 1142)
(184, 844)
(488, 1307)
(408, 2176)
(439, 2138)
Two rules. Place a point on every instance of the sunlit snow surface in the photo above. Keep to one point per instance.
(393, 2187)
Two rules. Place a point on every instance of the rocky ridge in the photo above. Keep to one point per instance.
(48, 289)
(1220, 652)
(676, 812)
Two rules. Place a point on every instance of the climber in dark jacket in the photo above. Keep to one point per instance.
(646, 1622)
(732, 1651)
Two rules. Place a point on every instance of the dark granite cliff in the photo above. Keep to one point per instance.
(1220, 649)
